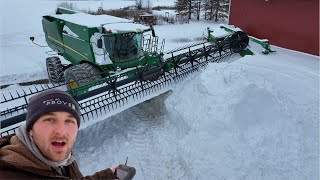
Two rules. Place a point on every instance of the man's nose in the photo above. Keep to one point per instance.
(60, 127)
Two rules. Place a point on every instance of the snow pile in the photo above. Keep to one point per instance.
(249, 119)
(249, 123)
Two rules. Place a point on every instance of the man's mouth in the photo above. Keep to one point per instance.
(58, 143)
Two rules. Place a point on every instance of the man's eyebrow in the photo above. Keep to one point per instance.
(71, 116)
(49, 113)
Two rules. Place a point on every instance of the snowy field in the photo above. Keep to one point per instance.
(256, 118)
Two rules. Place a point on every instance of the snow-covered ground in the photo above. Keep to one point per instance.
(254, 118)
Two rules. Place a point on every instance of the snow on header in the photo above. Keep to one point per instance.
(220, 32)
(91, 20)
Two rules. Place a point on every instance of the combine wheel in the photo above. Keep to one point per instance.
(55, 69)
(81, 74)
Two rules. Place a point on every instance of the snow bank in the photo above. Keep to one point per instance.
(249, 122)
(250, 119)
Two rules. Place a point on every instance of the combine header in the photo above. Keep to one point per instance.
(243, 39)
(112, 61)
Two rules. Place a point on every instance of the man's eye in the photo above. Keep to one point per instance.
(48, 120)
(70, 121)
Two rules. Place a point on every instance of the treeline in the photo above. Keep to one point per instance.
(217, 10)
(208, 9)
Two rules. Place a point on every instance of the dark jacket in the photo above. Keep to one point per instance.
(17, 162)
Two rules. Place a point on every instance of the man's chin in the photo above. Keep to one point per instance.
(58, 157)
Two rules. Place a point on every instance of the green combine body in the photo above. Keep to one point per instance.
(96, 46)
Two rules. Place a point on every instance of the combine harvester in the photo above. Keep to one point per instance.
(113, 61)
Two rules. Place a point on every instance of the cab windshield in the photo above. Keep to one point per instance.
(123, 47)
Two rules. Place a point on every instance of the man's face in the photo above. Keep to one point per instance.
(55, 134)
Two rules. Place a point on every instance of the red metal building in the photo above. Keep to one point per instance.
(292, 24)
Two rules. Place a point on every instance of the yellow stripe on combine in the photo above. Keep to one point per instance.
(66, 46)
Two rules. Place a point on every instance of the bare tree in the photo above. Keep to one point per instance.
(149, 4)
(213, 9)
(185, 7)
(139, 4)
(196, 6)
(190, 8)
(216, 9)
(182, 7)
(209, 7)
(221, 10)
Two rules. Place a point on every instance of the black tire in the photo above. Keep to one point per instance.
(55, 69)
(81, 74)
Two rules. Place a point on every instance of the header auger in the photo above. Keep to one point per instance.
(112, 61)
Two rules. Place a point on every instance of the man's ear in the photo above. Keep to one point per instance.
(30, 132)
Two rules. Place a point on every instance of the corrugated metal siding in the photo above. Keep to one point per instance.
(293, 24)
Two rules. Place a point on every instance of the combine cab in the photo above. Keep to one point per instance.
(113, 61)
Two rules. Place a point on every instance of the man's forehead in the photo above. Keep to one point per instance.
(58, 113)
